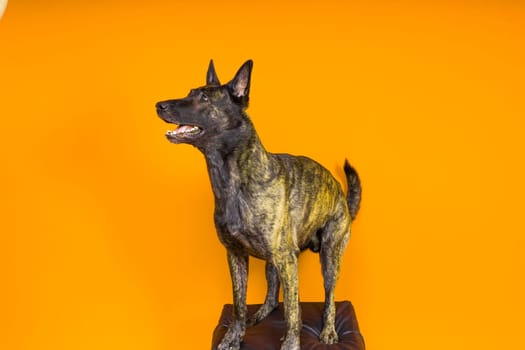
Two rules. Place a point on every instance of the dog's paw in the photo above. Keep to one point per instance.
(232, 339)
(329, 336)
(261, 314)
(291, 343)
(229, 344)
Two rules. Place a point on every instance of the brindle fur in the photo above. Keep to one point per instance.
(269, 206)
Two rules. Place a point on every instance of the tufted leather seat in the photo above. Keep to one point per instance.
(267, 334)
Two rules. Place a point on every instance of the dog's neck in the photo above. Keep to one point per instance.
(245, 164)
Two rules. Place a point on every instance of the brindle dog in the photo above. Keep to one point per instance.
(269, 206)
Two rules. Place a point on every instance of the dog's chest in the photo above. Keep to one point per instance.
(249, 222)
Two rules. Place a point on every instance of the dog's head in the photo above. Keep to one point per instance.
(210, 115)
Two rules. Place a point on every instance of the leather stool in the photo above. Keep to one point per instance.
(268, 333)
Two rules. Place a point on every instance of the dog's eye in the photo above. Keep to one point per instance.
(204, 97)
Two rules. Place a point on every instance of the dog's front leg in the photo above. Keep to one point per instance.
(286, 265)
(238, 264)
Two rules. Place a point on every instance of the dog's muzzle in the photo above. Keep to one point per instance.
(184, 132)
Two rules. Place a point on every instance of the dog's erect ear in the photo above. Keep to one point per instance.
(211, 76)
(240, 84)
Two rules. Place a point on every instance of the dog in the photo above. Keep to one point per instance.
(268, 206)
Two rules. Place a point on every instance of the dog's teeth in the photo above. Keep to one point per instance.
(182, 130)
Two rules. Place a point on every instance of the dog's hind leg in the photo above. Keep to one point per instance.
(333, 245)
(238, 264)
(272, 296)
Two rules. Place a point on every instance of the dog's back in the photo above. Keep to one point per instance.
(314, 198)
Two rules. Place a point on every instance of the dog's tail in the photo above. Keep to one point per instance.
(353, 196)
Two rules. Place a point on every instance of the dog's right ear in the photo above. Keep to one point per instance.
(211, 76)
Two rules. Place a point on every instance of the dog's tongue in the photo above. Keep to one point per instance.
(184, 131)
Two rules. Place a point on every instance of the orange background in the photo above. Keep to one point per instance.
(107, 239)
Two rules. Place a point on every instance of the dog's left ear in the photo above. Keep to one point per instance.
(211, 76)
(240, 85)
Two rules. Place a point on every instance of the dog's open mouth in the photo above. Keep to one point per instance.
(184, 132)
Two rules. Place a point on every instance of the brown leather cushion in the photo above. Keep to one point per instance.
(267, 334)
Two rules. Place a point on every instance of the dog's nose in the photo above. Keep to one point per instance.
(162, 106)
